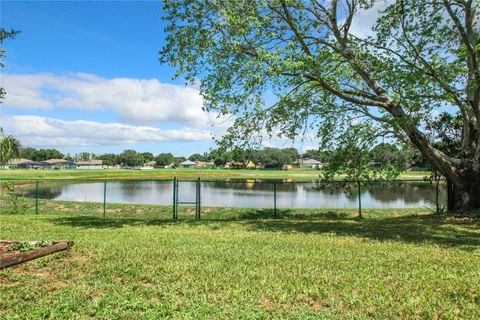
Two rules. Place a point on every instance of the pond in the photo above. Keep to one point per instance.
(247, 193)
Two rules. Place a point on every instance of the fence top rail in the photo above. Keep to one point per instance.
(86, 179)
(273, 181)
(246, 180)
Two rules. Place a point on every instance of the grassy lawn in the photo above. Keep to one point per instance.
(294, 174)
(241, 264)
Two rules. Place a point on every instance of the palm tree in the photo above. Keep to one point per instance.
(9, 148)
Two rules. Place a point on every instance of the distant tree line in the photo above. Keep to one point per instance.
(382, 154)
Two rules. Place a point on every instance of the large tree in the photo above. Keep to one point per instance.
(422, 58)
(46, 154)
(164, 159)
(131, 158)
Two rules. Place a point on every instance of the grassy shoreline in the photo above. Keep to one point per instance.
(218, 174)
(139, 264)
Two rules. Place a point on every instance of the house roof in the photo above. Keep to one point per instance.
(204, 163)
(90, 162)
(188, 163)
(20, 161)
(235, 163)
(57, 161)
(150, 163)
(310, 161)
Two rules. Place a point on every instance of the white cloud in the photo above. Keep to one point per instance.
(43, 131)
(137, 101)
(364, 20)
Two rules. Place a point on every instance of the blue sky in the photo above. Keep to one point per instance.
(85, 76)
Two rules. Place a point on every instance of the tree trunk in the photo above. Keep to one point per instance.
(463, 173)
(466, 193)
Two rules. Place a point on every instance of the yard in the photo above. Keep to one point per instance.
(294, 174)
(139, 264)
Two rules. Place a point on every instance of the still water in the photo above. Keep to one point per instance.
(248, 194)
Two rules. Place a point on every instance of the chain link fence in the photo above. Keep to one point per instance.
(217, 199)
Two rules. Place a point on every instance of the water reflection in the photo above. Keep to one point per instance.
(252, 194)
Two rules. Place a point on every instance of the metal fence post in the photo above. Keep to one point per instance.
(275, 200)
(359, 200)
(198, 199)
(104, 199)
(174, 207)
(36, 196)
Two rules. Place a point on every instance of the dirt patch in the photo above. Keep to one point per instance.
(3, 247)
(63, 208)
(76, 256)
(4, 282)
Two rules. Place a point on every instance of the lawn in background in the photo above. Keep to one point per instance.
(217, 174)
(241, 264)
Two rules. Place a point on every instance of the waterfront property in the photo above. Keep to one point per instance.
(310, 163)
(187, 164)
(46, 164)
(149, 165)
(90, 164)
(22, 164)
(58, 164)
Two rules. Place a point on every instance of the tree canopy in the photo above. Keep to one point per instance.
(131, 158)
(326, 80)
(9, 148)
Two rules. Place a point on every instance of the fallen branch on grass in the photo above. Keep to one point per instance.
(11, 258)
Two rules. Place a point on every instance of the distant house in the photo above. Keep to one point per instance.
(203, 164)
(310, 163)
(234, 165)
(23, 164)
(259, 166)
(90, 164)
(58, 164)
(149, 165)
(249, 164)
(187, 164)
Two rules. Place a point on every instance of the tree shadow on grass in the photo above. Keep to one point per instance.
(89, 222)
(442, 230)
(288, 214)
(434, 229)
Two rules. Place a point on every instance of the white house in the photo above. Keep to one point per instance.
(149, 165)
(90, 164)
(310, 163)
(188, 164)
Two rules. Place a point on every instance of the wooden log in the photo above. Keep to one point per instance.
(13, 241)
(14, 258)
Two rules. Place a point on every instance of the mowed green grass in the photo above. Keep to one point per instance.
(242, 264)
(216, 174)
